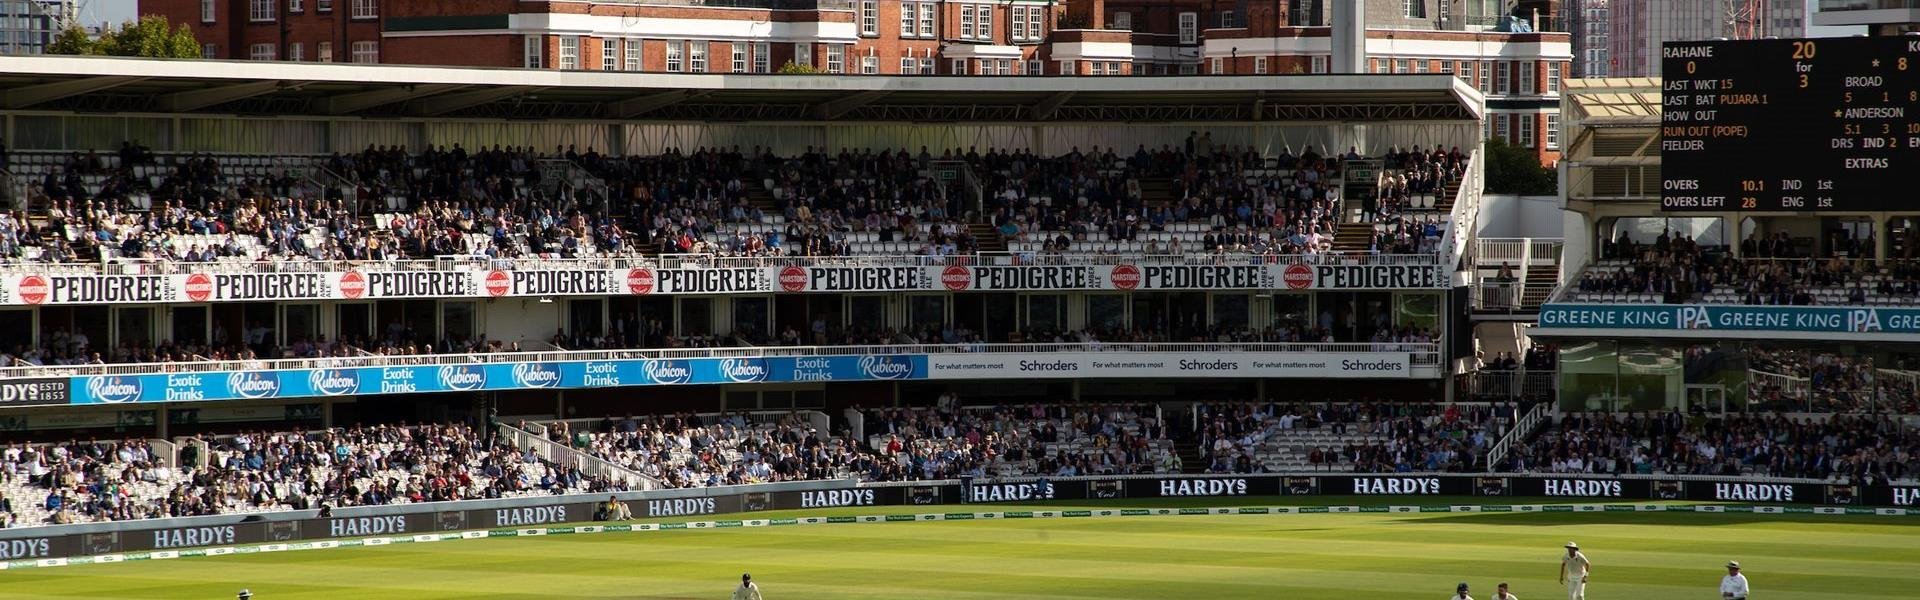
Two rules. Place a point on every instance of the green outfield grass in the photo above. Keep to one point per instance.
(1369, 556)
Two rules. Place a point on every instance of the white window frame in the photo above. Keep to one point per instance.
(1502, 77)
(1500, 128)
(1525, 84)
(966, 21)
(366, 9)
(366, 52)
(1399, 66)
(1113, 67)
(1320, 63)
(909, 65)
(260, 52)
(631, 54)
(1226, 19)
(836, 58)
(869, 65)
(207, 13)
(1553, 131)
(296, 52)
(1553, 76)
(533, 51)
(1036, 24)
(569, 55)
(1414, 9)
(1446, 67)
(209, 50)
(762, 57)
(739, 51)
(676, 56)
(908, 17)
(1035, 67)
(1189, 68)
(983, 25)
(1189, 27)
(697, 57)
(325, 6)
(324, 53)
(929, 66)
(1421, 65)
(1259, 65)
(958, 66)
(803, 54)
(869, 18)
(1017, 24)
(261, 11)
(1217, 66)
(1525, 129)
(294, 6)
(1123, 21)
(609, 54)
(929, 26)
(1486, 77)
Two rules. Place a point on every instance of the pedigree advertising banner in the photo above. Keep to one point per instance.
(33, 289)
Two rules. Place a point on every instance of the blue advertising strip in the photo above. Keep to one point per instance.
(304, 383)
(1703, 317)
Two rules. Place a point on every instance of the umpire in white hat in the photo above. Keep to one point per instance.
(1734, 585)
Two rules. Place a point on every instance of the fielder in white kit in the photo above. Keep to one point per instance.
(1574, 569)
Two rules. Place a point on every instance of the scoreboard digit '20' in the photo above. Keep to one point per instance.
(1790, 125)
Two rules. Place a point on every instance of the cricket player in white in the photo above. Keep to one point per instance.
(1501, 593)
(1460, 593)
(1734, 585)
(747, 589)
(1574, 569)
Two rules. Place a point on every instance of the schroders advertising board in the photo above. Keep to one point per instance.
(1066, 365)
(31, 289)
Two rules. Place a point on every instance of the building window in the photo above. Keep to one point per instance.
(1226, 19)
(1113, 68)
(366, 53)
(739, 57)
(1464, 69)
(1526, 79)
(209, 51)
(294, 6)
(907, 18)
(1035, 67)
(1526, 130)
(1189, 28)
(1036, 24)
(365, 9)
(1123, 21)
(1500, 128)
(1259, 65)
(1502, 78)
(1446, 67)
(633, 54)
(1189, 68)
(1414, 9)
(966, 21)
(1399, 65)
(762, 57)
(869, 65)
(927, 64)
(260, 52)
(986, 22)
(1319, 63)
(296, 52)
(957, 66)
(1421, 65)
(697, 57)
(325, 6)
(569, 53)
(535, 48)
(609, 54)
(1017, 31)
(1553, 77)
(206, 11)
(870, 18)
(1553, 131)
(674, 60)
(836, 58)
(908, 65)
(803, 54)
(1217, 67)
(324, 53)
(260, 10)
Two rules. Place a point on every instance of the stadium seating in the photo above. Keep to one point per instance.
(1855, 449)
(1013, 441)
(1675, 270)
(708, 450)
(1348, 437)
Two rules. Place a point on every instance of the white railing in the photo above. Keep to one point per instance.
(1522, 427)
(1492, 252)
(1423, 355)
(1466, 210)
(562, 454)
(124, 266)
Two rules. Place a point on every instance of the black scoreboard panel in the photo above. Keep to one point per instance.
(1828, 124)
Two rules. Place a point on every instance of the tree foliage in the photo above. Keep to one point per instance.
(151, 36)
(794, 68)
(1516, 170)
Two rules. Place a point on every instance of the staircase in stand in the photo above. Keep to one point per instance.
(1540, 282)
(1353, 238)
(760, 197)
(1444, 203)
(1192, 460)
(987, 237)
(1156, 193)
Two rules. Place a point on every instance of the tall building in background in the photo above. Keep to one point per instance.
(1588, 22)
(1640, 27)
(29, 26)
(1880, 17)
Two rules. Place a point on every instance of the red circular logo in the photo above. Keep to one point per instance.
(956, 278)
(1125, 277)
(498, 283)
(199, 287)
(640, 281)
(353, 285)
(34, 289)
(1298, 276)
(793, 279)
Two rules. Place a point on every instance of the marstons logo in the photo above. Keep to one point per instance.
(254, 384)
(793, 278)
(667, 371)
(880, 366)
(956, 278)
(114, 390)
(464, 377)
(536, 375)
(334, 382)
(1298, 276)
(199, 287)
(744, 370)
(1125, 277)
(640, 281)
(353, 285)
(498, 283)
(34, 289)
